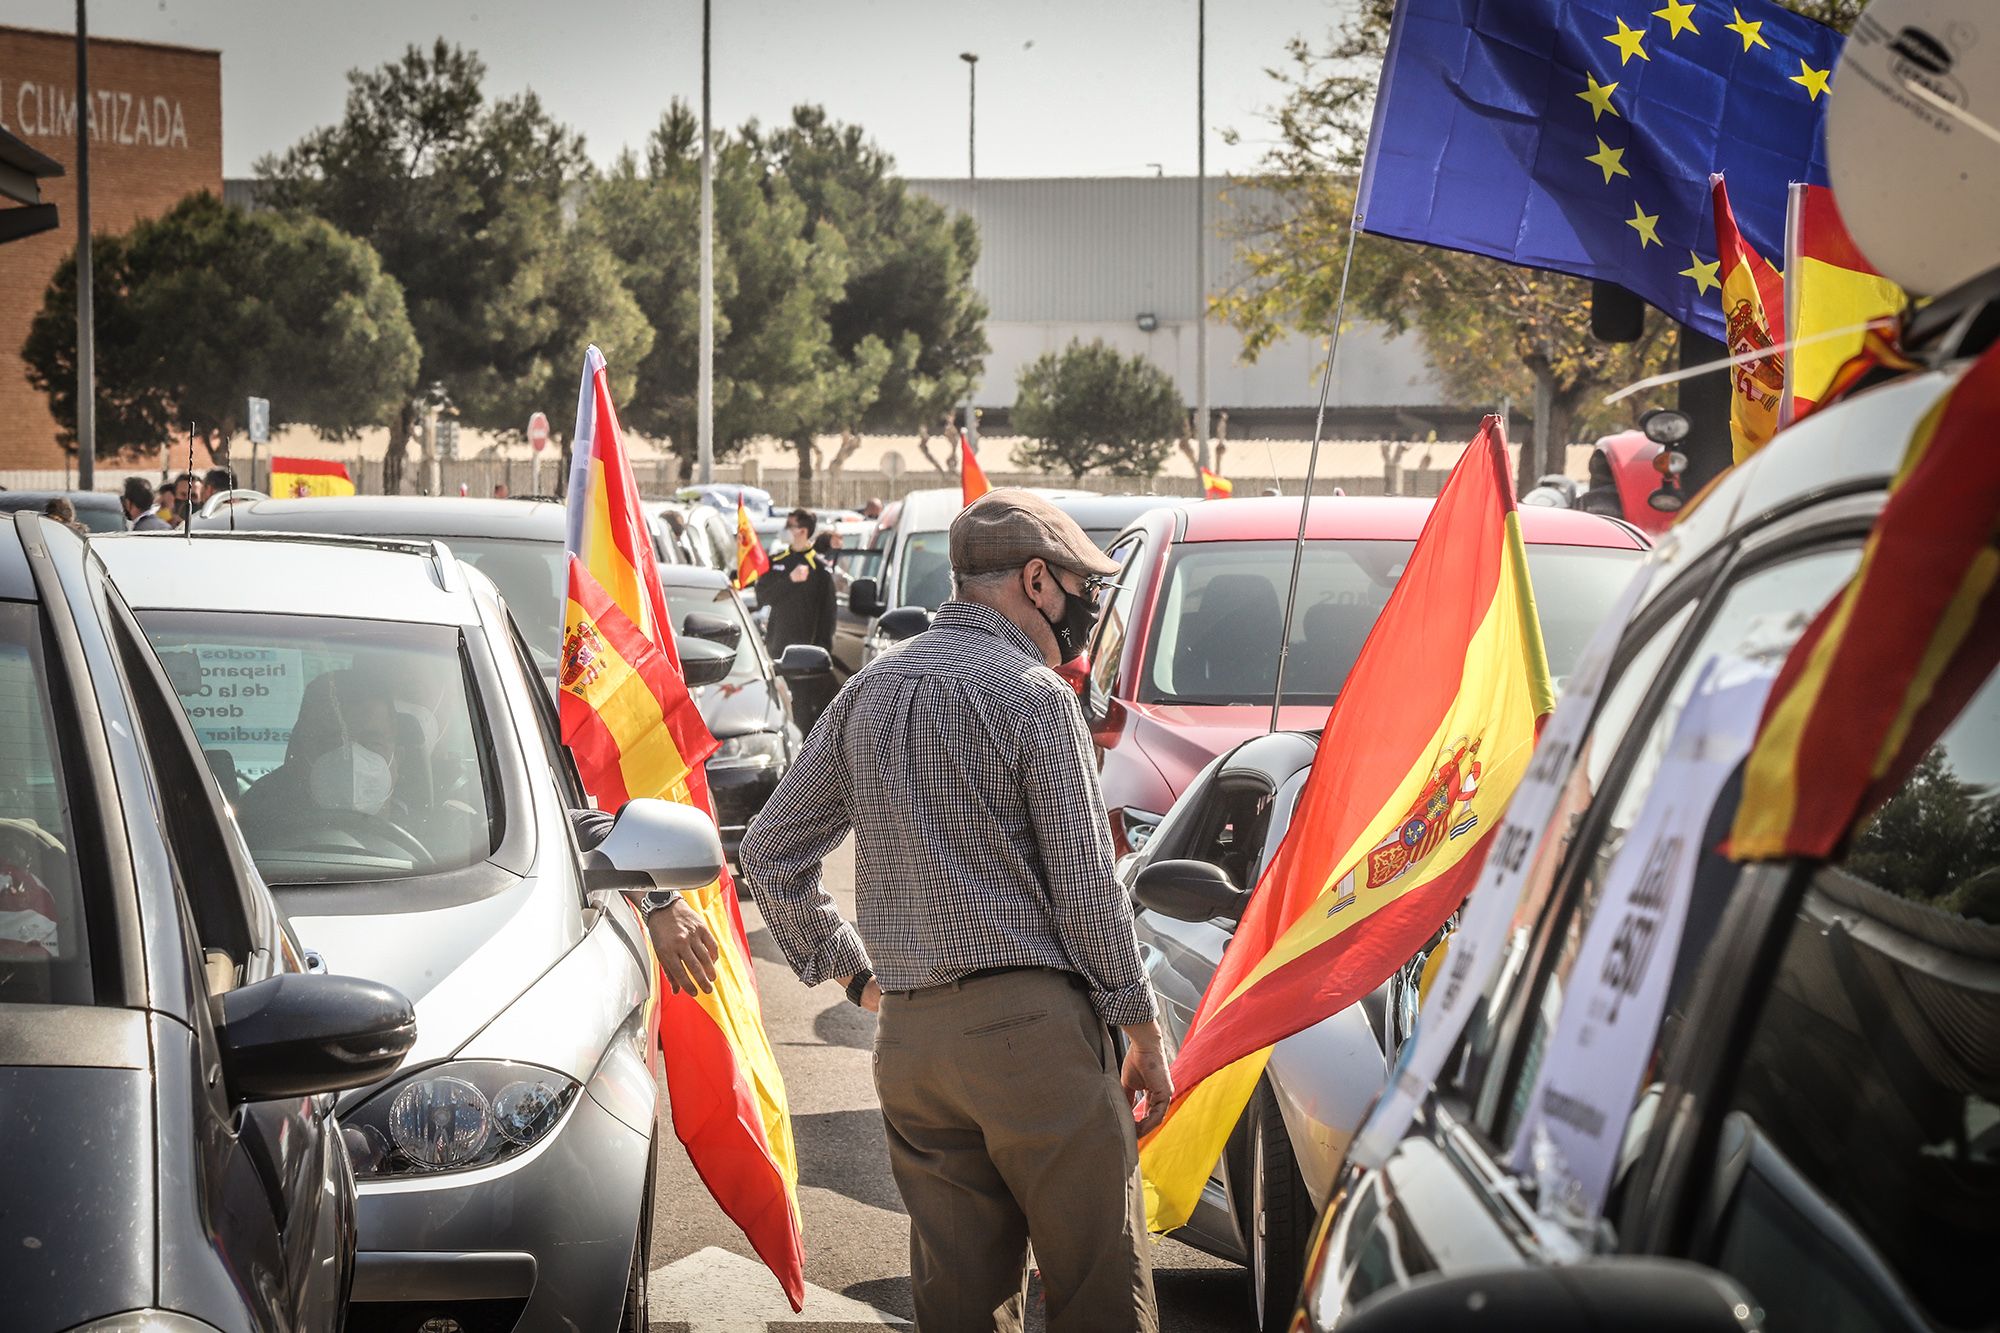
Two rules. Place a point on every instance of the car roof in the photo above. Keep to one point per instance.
(398, 515)
(933, 510)
(692, 576)
(1106, 511)
(17, 582)
(81, 499)
(1377, 518)
(349, 578)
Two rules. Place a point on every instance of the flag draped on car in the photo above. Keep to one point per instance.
(1753, 305)
(1894, 657)
(1579, 135)
(309, 476)
(971, 477)
(1426, 742)
(1215, 486)
(1829, 285)
(752, 561)
(635, 731)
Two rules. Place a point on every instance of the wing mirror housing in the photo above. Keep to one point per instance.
(704, 662)
(905, 622)
(300, 1034)
(1632, 1295)
(864, 597)
(1189, 891)
(655, 844)
(805, 661)
(725, 630)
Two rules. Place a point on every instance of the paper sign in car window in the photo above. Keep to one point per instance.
(247, 703)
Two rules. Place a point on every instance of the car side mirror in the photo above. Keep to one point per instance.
(864, 597)
(725, 630)
(1189, 891)
(703, 662)
(1597, 1296)
(905, 622)
(655, 844)
(300, 1034)
(805, 660)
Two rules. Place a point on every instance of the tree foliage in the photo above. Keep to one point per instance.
(206, 305)
(1089, 409)
(470, 204)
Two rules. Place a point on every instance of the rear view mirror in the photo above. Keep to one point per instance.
(301, 1034)
(657, 844)
(905, 622)
(864, 597)
(1189, 891)
(1631, 1295)
(703, 662)
(725, 630)
(803, 660)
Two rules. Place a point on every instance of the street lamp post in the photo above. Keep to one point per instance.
(1201, 231)
(705, 382)
(86, 320)
(971, 59)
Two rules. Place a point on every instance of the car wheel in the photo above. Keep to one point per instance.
(635, 1317)
(1279, 1219)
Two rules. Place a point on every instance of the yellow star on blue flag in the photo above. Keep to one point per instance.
(1490, 134)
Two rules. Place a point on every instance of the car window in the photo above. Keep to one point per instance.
(1114, 618)
(533, 580)
(722, 602)
(44, 930)
(925, 577)
(1866, 1110)
(1771, 605)
(351, 750)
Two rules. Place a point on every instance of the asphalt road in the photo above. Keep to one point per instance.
(704, 1279)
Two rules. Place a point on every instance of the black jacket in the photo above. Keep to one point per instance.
(800, 612)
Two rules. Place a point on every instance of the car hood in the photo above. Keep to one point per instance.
(733, 708)
(461, 965)
(1181, 738)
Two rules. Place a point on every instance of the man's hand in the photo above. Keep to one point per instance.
(686, 947)
(800, 573)
(871, 994)
(1145, 1074)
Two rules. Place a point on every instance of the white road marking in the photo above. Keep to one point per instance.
(717, 1291)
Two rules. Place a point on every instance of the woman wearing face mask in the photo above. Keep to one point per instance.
(340, 760)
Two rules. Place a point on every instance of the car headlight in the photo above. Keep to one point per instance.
(754, 749)
(454, 1116)
(1138, 827)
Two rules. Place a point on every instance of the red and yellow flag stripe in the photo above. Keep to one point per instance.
(752, 560)
(1753, 315)
(1428, 739)
(972, 481)
(1215, 486)
(309, 476)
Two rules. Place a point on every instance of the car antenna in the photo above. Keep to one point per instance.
(187, 521)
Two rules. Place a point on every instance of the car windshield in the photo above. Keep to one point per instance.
(529, 576)
(44, 939)
(926, 575)
(1217, 626)
(350, 749)
(721, 602)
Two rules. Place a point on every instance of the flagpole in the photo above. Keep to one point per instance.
(1312, 459)
(705, 390)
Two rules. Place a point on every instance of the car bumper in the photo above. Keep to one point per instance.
(740, 792)
(550, 1235)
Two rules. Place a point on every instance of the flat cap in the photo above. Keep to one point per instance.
(1006, 528)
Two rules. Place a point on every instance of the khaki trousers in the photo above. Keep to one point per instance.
(1006, 1123)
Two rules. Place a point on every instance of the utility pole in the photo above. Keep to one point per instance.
(86, 316)
(705, 392)
(971, 59)
(1201, 232)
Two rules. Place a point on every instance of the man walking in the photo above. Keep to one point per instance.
(799, 590)
(137, 502)
(992, 937)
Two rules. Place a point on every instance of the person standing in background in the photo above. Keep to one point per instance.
(800, 593)
(137, 502)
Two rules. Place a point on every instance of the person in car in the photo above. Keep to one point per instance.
(342, 757)
(137, 502)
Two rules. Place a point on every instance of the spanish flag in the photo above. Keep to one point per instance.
(1425, 744)
(971, 477)
(752, 562)
(309, 476)
(1829, 284)
(1215, 486)
(628, 718)
(1889, 661)
(1753, 315)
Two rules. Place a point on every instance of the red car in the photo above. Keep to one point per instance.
(1184, 660)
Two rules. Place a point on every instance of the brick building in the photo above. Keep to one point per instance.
(155, 117)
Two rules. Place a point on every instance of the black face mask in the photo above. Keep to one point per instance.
(1073, 627)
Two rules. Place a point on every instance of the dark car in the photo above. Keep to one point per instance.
(1103, 517)
(98, 511)
(1818, 1113)
(749, 711)
(167, 1063)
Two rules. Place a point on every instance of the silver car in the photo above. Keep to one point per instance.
(392, 757)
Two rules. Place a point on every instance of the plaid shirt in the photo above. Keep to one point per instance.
(962, 765)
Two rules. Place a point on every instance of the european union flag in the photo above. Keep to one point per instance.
(1579, 135)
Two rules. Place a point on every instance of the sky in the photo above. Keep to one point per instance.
(1065, 87)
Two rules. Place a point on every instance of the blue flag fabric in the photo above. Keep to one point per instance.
(1579, 135)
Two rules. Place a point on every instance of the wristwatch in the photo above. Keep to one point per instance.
(656, 900)
(857, 984)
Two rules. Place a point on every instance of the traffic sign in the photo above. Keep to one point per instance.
(538, 432)
(259, 417)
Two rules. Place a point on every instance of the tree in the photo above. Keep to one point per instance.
(1492, 330)
(1088, 409)
(471, 205)
(206, 305)
(907, 331)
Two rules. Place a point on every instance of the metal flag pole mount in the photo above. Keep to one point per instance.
(1312, 459)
